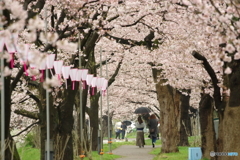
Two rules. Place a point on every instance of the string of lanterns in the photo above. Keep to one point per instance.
(9, 40)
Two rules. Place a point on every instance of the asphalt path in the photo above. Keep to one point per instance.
(133, 152)
(130, 152)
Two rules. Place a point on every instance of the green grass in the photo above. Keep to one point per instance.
(181, 155)
(106, 150)
(194, 141)
(27, 153)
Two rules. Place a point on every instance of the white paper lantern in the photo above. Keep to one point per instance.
(65, 71)
(43, 64)
(73, 73)
(100, 83)
(104, 87)
(84, 77)
(89, 79)
(11, 43)
(105, 84)
(1, 43)
(84, 74)
(42, 67)
(50, 60)
(93, 85)
(94, 81)
(79, 75)
(58, 67)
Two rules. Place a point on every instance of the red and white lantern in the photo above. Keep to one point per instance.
(84, 77)
(1, 42)
(50, 60)
(58, 68)
(11, 43)
(66, 73)
(89, 79)
(73, 75)
(79, 75)
(104, 87)
(42, 68)
(93, 84)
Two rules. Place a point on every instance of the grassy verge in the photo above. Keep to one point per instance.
(194, 141)
(181, 155)
(27, 153)
(106, 149)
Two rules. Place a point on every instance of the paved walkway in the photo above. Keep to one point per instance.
(132, 152)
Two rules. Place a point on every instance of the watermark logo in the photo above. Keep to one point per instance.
(232, 153)
(212, 153)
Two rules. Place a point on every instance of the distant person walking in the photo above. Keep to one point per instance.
(153, 128)
(118, 131)
(140, 141)
(124, 128)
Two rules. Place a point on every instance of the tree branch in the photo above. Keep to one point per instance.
(28, 114)
(129, 42)
(137, 21)
(25, 129)
(17, 78)
(212, 3)
(211, 73)
(38, 7)
(113, 18)
(112, 79)
(60, 19)
(37, 100)
(103, 63)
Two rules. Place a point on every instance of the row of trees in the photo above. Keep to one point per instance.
(182, 47)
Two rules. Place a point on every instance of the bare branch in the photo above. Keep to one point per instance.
(137, 21)
(113, 18)
(15, 81)
(25, 113)
(130, 42)
(25, 129)
(212, 3)
(112, 79)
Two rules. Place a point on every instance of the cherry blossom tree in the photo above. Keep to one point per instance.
(152, 43)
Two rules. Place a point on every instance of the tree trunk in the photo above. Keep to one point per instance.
(169, 100)
(94, 120)
(9, 142)
(65, 127)
(105, 123)
(93, 109)
(208, 136)
(184, 121)
(43, 119)
(228, 109)
(229, 121)
(230, 132)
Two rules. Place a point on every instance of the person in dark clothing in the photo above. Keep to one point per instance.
(124, 128)
(118, 131)
(153, 128)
